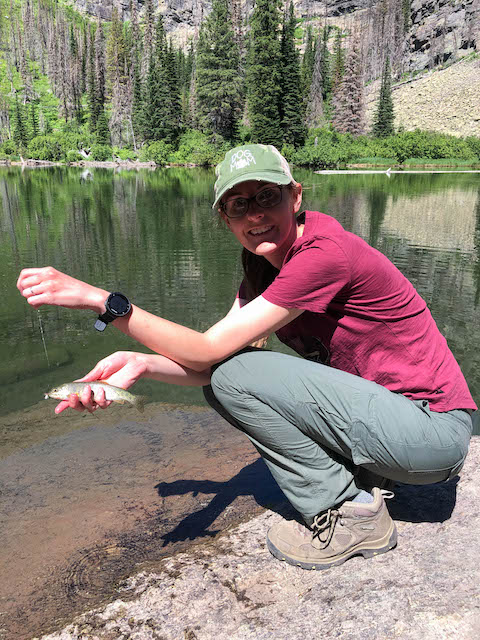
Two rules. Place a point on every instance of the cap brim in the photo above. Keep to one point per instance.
(276, 177)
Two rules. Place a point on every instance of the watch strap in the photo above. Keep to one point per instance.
(106, 317)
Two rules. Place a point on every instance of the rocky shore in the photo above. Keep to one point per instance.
(232, 588)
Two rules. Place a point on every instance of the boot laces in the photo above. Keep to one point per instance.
(323, 526)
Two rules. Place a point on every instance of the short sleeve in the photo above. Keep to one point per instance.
(312, 277)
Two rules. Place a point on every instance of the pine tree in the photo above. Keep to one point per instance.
(291, 103)
(308, 62)
(384, 115)
(263, 74)
(156, 89)
(20, 133)
(102, 130)
(218, 81)
(173, 111)
(91, 88)
(349, 108)
(34, 119)
(338, 62)
(149, 37)
(325, 62)
(99, 76)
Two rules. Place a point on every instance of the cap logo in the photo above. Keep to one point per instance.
(241, 159)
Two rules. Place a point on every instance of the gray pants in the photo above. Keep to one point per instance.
(316, 426)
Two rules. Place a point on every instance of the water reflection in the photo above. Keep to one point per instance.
(153, 235)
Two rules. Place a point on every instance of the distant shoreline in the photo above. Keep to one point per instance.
(133, 164)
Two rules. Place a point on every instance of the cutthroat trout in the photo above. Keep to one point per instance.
(115, 394)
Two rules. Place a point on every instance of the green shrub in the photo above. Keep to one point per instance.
(100, 152)
(158, 152)
(324, 148)
(45, 148)
(429, 144)
(474, 144)
(9, 148)
(74, 156)
(288, 151)
(381, 162)
(196, 148)
(125, 154)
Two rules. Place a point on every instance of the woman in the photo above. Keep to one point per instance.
(392, 404)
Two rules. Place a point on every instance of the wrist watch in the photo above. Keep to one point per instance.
(116, 306)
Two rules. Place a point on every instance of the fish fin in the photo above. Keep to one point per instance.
(139, 403)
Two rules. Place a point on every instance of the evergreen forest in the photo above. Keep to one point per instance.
(75, 89)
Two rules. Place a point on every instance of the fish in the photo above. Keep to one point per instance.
(115, 394)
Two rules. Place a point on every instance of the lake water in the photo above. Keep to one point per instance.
(152, 235)
(88, 499)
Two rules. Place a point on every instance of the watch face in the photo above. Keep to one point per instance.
(118, 304)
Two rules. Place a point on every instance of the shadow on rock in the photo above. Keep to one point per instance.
(253, 480)
(424, 503)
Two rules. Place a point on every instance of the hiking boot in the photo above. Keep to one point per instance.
(355, 528)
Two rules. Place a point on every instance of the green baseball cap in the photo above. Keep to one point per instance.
(251, 162)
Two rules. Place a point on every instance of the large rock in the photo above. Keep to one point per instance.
(232, 588)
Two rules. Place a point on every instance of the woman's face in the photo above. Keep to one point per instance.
(267, 232)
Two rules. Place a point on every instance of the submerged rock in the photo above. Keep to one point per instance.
(231, 587)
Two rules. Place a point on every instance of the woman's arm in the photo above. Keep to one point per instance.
(192, 349)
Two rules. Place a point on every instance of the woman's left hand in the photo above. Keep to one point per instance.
(121, 369)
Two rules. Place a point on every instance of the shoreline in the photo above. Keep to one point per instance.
(135, 165)
(232, 587)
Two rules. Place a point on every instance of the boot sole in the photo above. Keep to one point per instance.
(366, 552)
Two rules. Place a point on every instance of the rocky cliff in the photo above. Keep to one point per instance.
(437, 31)
(422, 37)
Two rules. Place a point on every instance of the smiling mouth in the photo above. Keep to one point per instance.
(261, 230)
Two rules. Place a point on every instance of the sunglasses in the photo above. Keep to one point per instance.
(266, 199)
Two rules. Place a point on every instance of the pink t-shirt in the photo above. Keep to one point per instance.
(364, 317)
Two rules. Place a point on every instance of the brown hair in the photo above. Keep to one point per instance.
(258, 274)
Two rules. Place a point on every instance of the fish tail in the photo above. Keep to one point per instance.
(139, 403)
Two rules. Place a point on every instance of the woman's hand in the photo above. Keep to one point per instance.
(121, 369)
(46, 285)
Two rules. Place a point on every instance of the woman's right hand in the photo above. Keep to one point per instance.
(46, 285)
(121, 369)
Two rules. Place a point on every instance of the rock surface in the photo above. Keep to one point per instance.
(446, 100)
(232, 588)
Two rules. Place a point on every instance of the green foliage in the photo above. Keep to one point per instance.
(9, 148)
(324, 148)
(100, 152)
(74, 156)
(429, 144)
(264, 76)
(158, 152)
(218, 80)
(20, 131)
(102, 130)
(474, 144)
(196, 148)
(291, 103)
(384, 115)
(45, 148)
(440, 162)
(308, 60)
(327, 148)
(125, 154)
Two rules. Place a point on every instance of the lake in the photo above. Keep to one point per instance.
(153, 235)
(116, 490)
